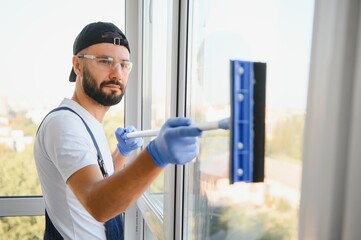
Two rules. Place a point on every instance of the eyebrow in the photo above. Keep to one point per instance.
(106, 56)
(102, 56)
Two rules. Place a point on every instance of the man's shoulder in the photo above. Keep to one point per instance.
(62, 120)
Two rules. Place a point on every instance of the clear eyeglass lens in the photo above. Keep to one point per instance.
(106, 64)
(125, 66)
(109, 65)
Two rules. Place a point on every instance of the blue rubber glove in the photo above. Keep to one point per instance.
(175, 144)
(127, 145)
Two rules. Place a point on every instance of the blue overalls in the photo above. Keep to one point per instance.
(114, 229)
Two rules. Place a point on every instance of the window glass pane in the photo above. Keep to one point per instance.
(22, 227)
(37, 42)
(148, 235)
(277, 32)
(156, 68)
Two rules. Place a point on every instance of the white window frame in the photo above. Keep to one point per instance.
(22, 206)
(145, 212)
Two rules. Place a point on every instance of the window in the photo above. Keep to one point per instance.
(158, 106)
(279, 34)
(156, 101)
(37, 39)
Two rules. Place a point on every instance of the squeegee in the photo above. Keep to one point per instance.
(246, 123)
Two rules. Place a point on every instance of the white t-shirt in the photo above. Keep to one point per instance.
(62, 147)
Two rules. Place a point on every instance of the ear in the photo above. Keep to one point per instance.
(77, 66)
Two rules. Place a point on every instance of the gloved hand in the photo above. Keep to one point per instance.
(127, 145)
(176, 143)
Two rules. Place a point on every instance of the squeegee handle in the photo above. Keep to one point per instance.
(205, 126)
(144, 133)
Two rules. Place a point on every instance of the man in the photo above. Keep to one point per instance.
(83, 184)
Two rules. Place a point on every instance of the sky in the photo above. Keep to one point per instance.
(277, 32)
(37, 38)
(36, 46)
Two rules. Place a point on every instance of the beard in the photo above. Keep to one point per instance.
(96, 93)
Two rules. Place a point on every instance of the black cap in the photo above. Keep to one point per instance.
(97, 32)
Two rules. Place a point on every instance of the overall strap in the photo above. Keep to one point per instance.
(113, 227)
(100, 157)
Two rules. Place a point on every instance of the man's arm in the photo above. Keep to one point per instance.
(118, 160)
(106, 198)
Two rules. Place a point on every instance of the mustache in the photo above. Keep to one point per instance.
(115, 82)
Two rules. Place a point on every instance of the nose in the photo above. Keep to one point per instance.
(116, 72)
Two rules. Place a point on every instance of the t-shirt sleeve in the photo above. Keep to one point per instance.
(68, 144)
